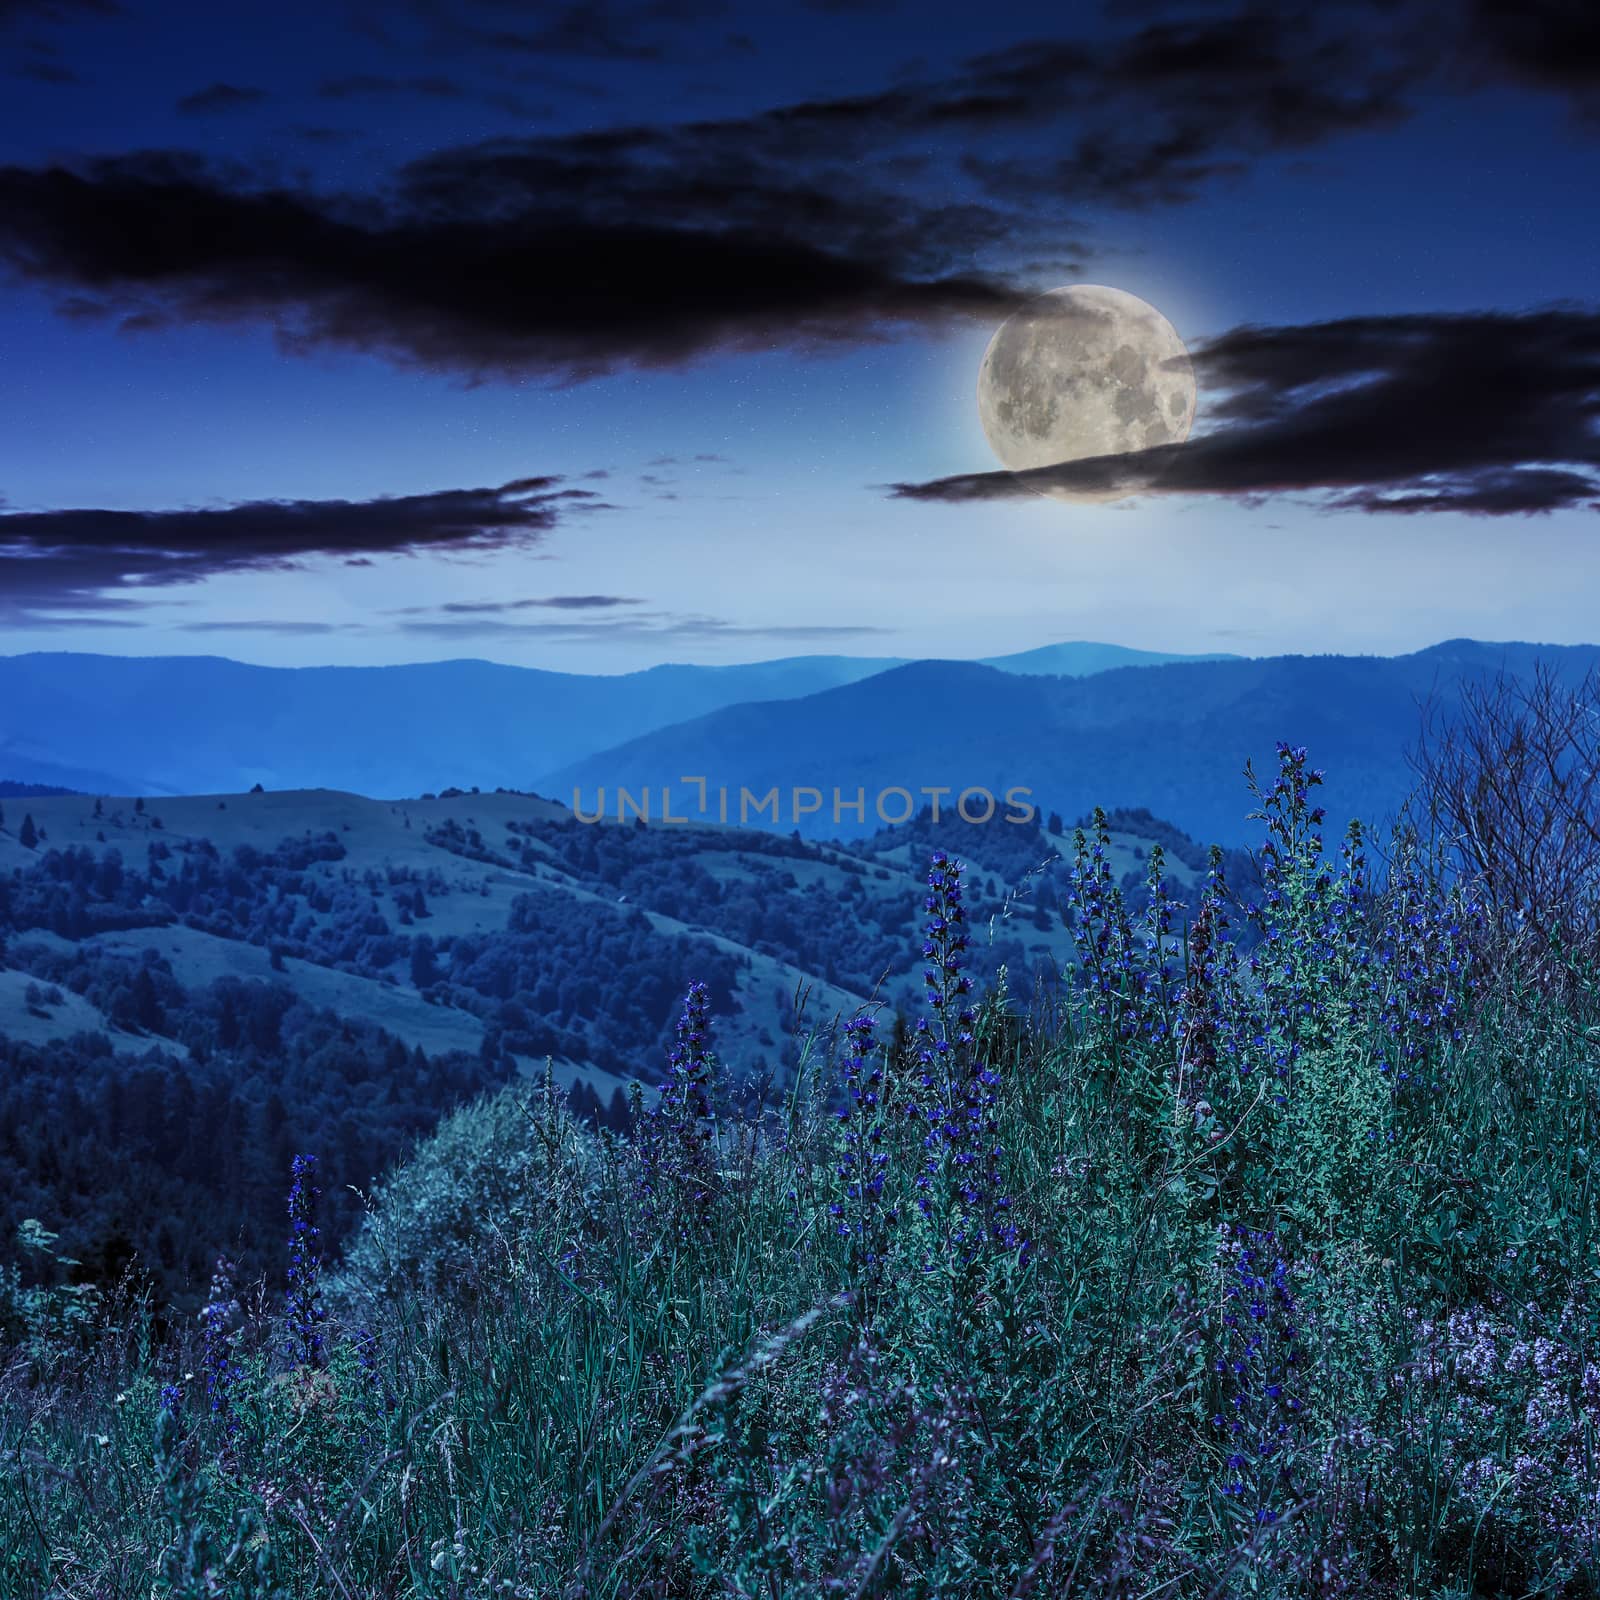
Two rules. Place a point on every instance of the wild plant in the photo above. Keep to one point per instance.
(305, 1310)
(195, 1564)
(678, 1176)
(1257, 1389)
(219, 1320)
(962, 1182)
(862, 1214)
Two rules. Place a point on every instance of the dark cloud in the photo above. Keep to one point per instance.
(1489, 493)
(812, 225)
(42, 66)
(609, 31)
(1548, 44)
(569, 258)
(1139, 119)
(51, 72)
(357, 85)
(592, 29)
(703, 456)
(427, 86)
(468, 619)
(317, 133)
(90, 561)
(794, 227)
(1148, 115)
(220, 97)
(52, 621)
(639, 625)
(289, 627)
(557, 602)
(56, 10)
(1489, 414)
(1178, 103)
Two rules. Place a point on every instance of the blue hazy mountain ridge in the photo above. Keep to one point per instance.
(1079, 658)
(199, 724)
(1173, 738)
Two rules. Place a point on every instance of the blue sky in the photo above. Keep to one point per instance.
(745, 509)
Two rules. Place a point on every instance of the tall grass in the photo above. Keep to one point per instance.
(1261, 1267)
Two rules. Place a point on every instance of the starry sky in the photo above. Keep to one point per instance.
(590, 336)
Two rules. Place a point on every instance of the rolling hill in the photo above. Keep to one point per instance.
(197, 986)
(339, 928)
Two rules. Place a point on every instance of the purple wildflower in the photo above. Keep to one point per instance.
(958, 1086)
(1256, 1367)
(1211, 1005)
(1421, 982)
(218, 1323)
(859, 1214)
(676, 1149)
(304, 1299)
(1295, 918)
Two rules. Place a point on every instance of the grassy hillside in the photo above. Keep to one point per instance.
(410, 952)
(1251, 1267)
(469, 888)
(476, 855)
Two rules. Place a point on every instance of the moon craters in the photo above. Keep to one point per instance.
(1082, 372)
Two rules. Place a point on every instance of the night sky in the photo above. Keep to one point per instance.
(591, 336)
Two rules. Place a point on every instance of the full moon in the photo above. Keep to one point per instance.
(1084, 371)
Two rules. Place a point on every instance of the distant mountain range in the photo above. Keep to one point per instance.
(1076, 724)
(1172, 738)
(204, 724)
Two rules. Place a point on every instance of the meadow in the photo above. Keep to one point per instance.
(1256, 1257)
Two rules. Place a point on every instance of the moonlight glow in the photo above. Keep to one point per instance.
(1081, 372)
